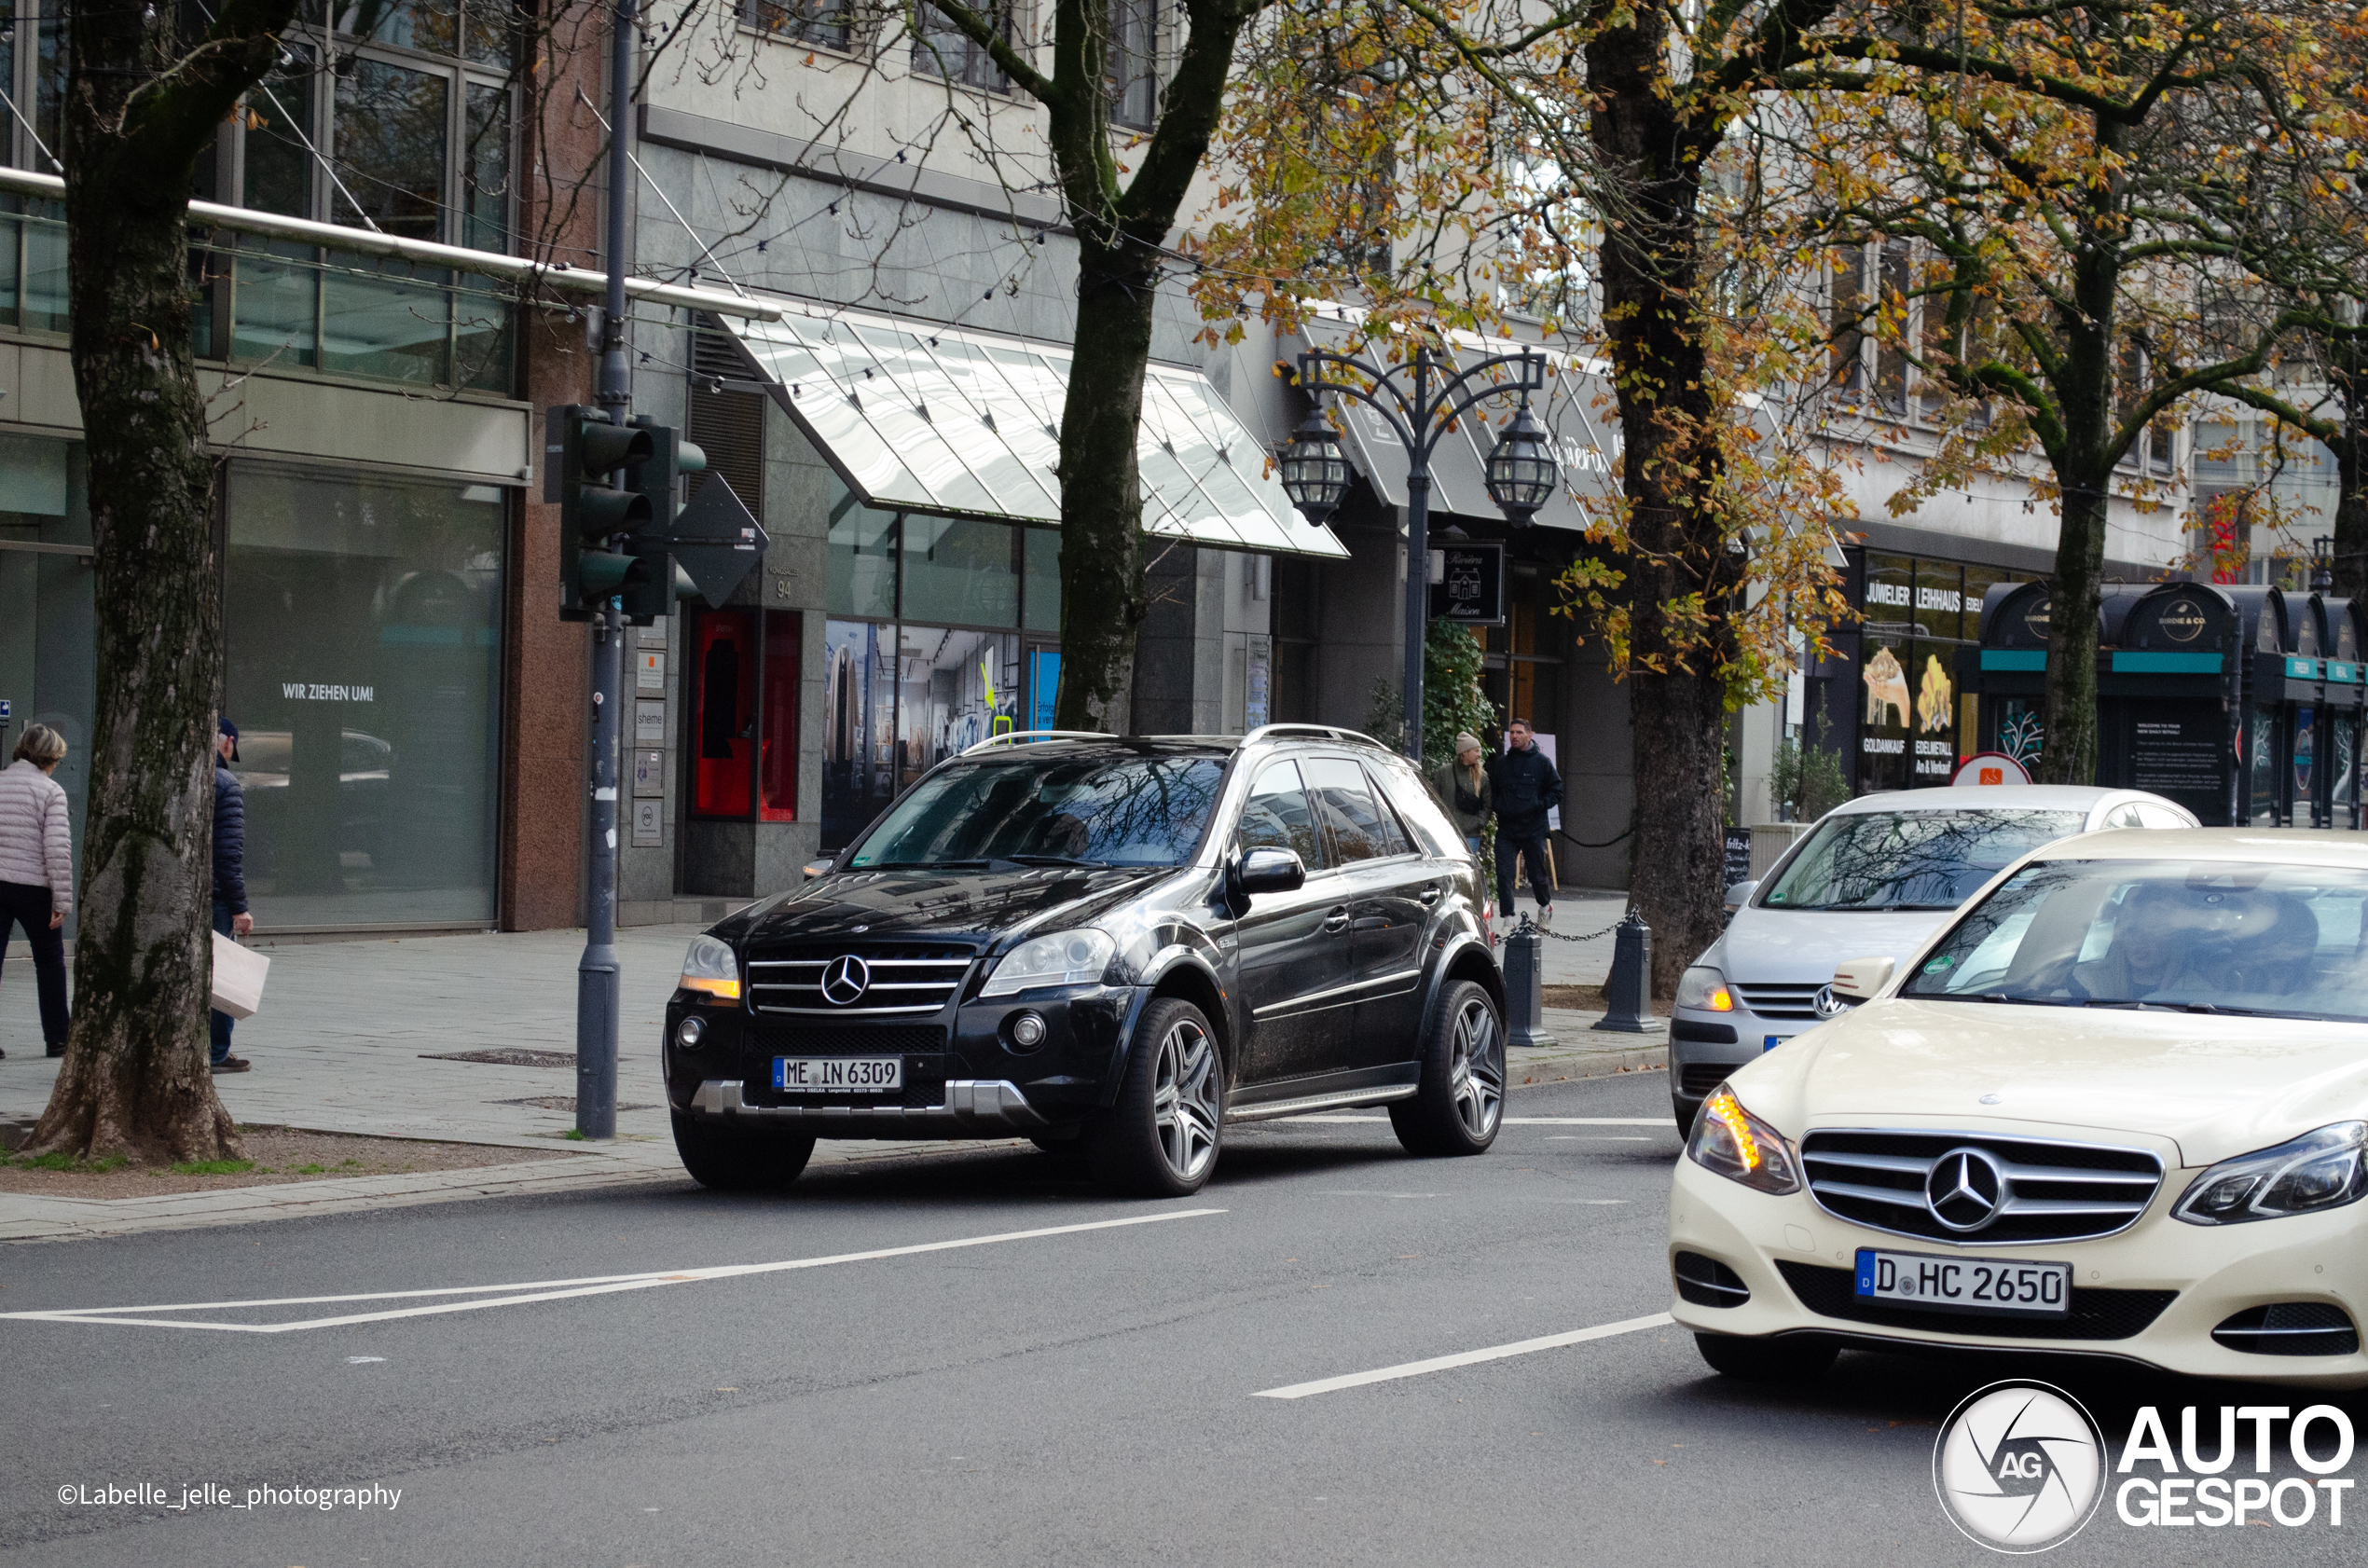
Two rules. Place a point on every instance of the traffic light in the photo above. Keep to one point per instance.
(648, 594)
(582, 453)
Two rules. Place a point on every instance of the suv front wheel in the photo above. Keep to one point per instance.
(739, 1160)
(1161, 1139)
(1461, 1103)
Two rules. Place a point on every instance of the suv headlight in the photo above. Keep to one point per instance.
(2320, 1170)
(1740, 1146)
(1704, 988)
(710, 967)
(1064, 958)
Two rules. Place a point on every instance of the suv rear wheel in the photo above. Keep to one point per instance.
(1161, 1140)
(738, 1160)
(1461, 1103)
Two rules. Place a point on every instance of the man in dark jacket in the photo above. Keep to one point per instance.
(230, 916)
(1526, 788)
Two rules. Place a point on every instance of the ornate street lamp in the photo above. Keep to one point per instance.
(1521, 471)
(1315, 469)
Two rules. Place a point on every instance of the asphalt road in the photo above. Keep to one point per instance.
(1090, 1397)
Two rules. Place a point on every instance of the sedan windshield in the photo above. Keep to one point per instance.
(2201, 936)
(1140, 811)
(1910, 859)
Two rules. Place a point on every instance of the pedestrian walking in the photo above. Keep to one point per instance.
(1462, 786)
(1526, 788)
(36, 870)
(230, 916)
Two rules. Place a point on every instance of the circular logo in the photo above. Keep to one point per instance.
(2183, 619)
(2020, 1466)
(1827, 1005)
(845, 979)
(1965, 1188)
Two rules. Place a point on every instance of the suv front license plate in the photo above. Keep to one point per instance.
(2005, 1286)
(837, 1074)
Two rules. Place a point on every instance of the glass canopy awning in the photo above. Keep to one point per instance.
(917, 417)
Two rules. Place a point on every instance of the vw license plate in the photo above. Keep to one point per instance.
(837, 1074)
(1989, 1285)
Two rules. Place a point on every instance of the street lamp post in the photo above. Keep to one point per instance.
(1420, 401)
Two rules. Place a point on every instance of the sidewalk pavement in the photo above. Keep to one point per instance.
(357, 1037)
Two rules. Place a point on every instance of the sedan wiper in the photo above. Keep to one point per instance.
(1054, 860)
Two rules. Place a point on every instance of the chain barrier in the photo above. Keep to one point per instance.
(1529, 924)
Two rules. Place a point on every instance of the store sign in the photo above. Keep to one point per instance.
(304, 691)
(649, 723)
(1470, 589)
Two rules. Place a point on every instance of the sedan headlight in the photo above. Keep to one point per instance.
(1064, 958)
(2320, 1170)
(1704, 988)
(710, 967)
(1740, 1146)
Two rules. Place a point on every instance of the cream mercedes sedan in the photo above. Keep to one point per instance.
(2118, 1106)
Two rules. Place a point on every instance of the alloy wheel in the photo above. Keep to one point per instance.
(1184, 1100)
(1476, 1070)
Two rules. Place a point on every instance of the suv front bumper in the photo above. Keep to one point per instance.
(972, 1106)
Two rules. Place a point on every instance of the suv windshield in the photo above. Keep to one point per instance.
(1910, 859)
(1062, 810)
(2204, 936)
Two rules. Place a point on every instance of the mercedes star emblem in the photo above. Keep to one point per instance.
(1966, 1190)
(845, 978)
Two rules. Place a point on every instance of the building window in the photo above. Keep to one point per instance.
(944, 50)
(1134, 64)
(827, 22)
(743, 706)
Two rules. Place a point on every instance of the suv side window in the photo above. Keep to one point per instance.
(1361, 827)
(1276, 816)
(1418, 810)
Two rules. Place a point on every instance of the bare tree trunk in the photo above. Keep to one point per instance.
(135, 1079)
(2350, 373)
(1672, 463)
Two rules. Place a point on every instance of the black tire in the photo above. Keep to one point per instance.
(1460, 1103)
(1785, 1360)
(1162, 1139)
(738, 1160)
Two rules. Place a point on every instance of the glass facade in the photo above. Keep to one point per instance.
(1914, 725)
(48, 651)
(923, 653)
(361, 629)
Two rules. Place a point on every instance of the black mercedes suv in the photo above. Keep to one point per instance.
(1113, 945)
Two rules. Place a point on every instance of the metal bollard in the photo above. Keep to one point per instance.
(1629, 991)
(1525, 988)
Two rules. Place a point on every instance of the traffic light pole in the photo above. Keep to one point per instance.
(595, 972)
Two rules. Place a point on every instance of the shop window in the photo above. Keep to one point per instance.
(743, 706)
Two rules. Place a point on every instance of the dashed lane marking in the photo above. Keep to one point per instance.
(1464, 1358)
(542, 1290)
(1534, 1120)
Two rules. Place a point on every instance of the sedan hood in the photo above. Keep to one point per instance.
(968, 906)
(2217, 1086)
(1785, 947)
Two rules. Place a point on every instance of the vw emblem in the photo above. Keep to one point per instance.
(1826, 1004)
(845, 978)
(1966, 1190)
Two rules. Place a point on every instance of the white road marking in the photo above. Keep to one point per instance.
(1595, 1137)
(1464, 1358)
(1533, 1121)
(546, 1290)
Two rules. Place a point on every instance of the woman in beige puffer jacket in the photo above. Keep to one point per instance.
(37, 869)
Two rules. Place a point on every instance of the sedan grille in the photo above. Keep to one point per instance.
(1783, 1001)
(1988, 1191)
(2096, 1314)
(1697, 1079)
(909, 981)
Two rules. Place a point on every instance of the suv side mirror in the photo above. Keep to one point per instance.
(1740, 893)
(1860, 979)
(819, 868)
(1271, 870)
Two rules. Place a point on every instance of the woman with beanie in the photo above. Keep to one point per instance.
(1463, 787)
(37, 869)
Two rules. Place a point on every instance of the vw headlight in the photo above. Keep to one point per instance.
(710, 967)
(1063, 959)
(2320, 1170)
(1704, 988)
(1740, 1146)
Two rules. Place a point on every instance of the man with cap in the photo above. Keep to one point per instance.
(230, 916)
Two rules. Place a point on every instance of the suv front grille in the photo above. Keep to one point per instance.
(2051, 1191)
(1782, 1001)
(875, 1040)
(2096, 1314)
(904, 981)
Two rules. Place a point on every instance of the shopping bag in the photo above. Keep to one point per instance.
(237, 978)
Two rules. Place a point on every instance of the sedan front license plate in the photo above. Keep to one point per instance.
(2005, 1286)
(837, 1074)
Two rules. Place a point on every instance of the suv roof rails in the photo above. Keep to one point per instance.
(1010, 735)
(1328, 731)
